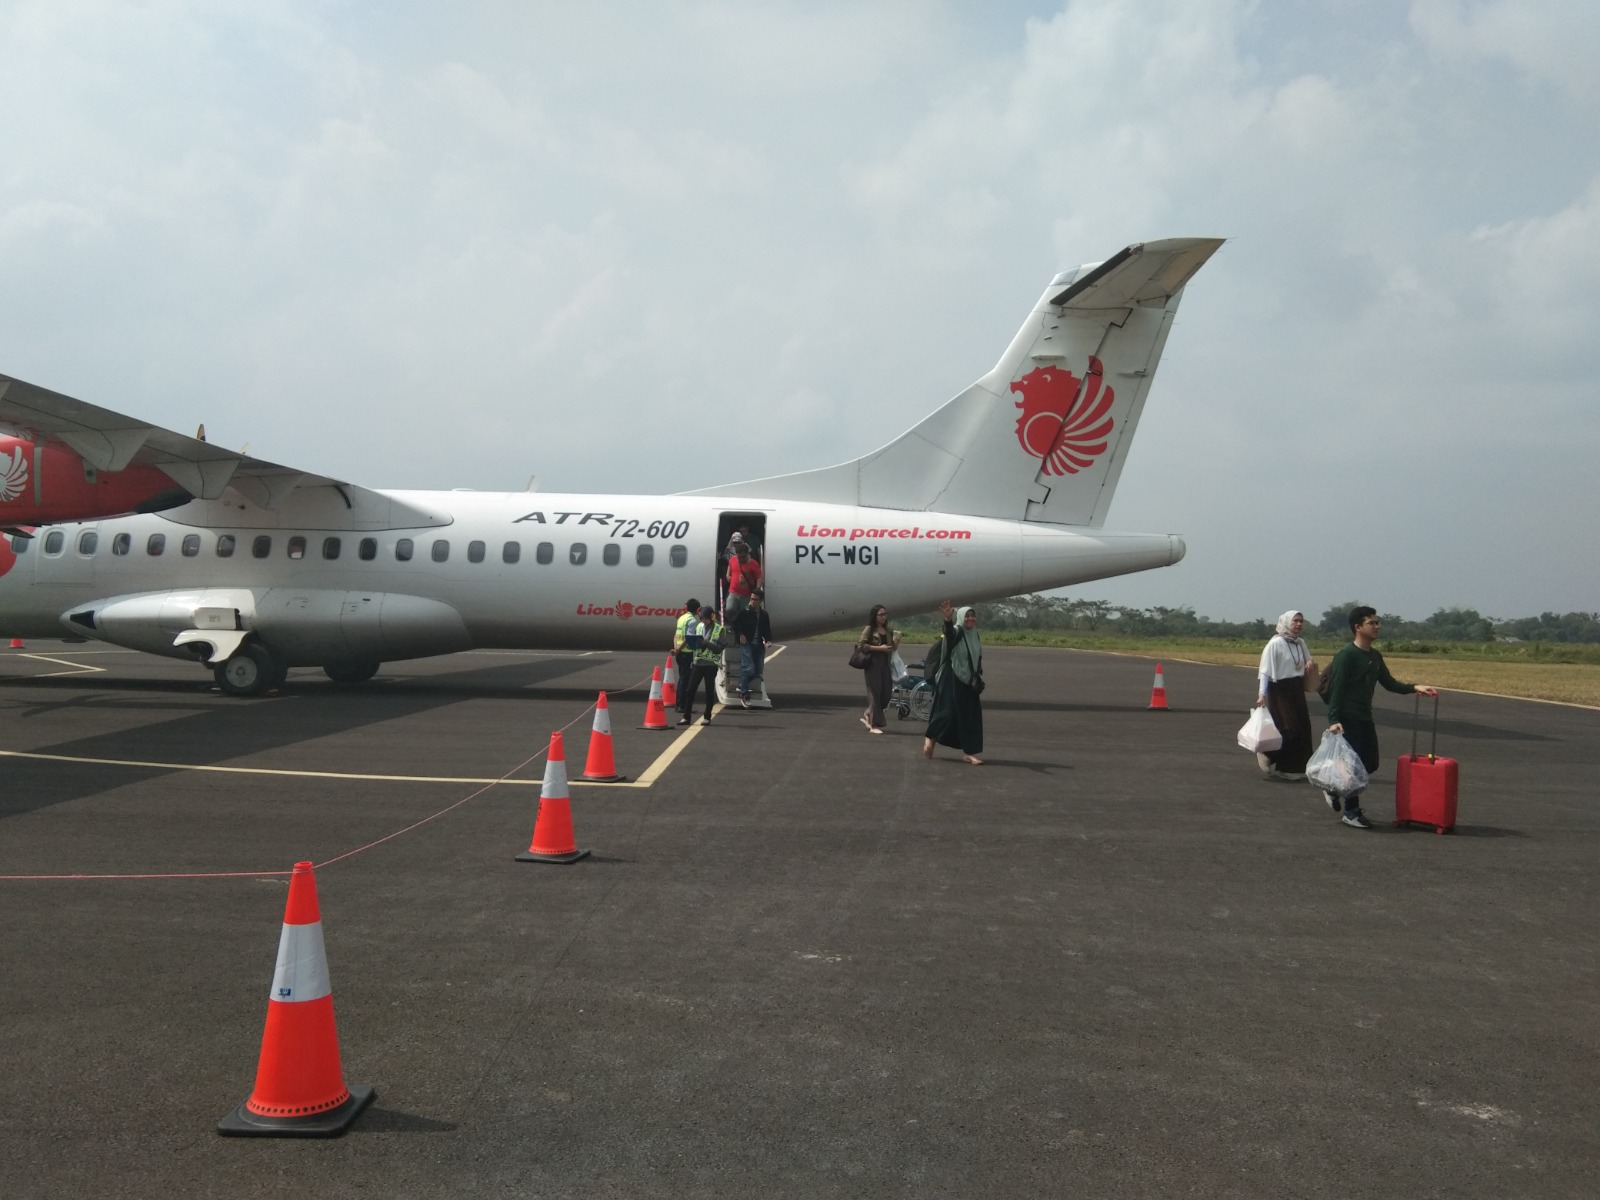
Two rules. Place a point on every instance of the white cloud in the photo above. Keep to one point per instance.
(443, 247)
(1554, 41)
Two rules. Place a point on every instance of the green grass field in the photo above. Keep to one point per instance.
(1567, 674)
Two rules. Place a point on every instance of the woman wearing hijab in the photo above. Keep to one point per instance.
(1282, 688)
(957, 718)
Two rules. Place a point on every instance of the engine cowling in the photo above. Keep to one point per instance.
(303, 626)
(45, 485)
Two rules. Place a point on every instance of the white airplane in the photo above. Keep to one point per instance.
(1001, 491)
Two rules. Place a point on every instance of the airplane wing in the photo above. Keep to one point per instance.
(109, 441)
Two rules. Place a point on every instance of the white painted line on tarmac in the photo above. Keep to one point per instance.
(651, 773)
(168, 766)
(77, 668)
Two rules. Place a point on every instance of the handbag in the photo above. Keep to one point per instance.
(1259, 733)
(859, 658)
(977, 682)
(1313, 678)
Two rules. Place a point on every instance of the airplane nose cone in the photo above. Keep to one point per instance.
(1178, 549)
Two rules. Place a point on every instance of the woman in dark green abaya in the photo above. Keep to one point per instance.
(957, 718)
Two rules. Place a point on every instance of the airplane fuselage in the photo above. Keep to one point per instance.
(1001, 490)
(323, 582)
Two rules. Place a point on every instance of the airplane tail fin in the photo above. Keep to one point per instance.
(1043, 436)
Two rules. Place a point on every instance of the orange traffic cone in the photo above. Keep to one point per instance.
(669, 683)
(16, 644)
(552, 831)
(1158, 693)
(655, 713)
(300, 1089)
(602, 766)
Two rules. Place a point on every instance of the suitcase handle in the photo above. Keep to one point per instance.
(1416, 720)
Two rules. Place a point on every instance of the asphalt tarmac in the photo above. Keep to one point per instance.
(803, 961)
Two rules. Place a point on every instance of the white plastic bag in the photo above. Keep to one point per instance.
(897, 666)
(1259, 734)
(1336, 767)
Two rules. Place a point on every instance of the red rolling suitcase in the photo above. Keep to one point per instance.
(1425, 784)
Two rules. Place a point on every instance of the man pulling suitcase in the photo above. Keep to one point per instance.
(1355, 673)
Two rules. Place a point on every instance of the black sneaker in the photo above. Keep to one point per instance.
(1356, 819)
(744, 701)
(1333, 802)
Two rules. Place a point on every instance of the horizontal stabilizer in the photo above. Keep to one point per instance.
(1149, 273)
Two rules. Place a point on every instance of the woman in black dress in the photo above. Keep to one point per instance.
(957, 718)
(880, 642)
(1281, 687)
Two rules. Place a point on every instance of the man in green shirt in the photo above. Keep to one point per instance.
(1355, 673)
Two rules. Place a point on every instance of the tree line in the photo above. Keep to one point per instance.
(1064, 613)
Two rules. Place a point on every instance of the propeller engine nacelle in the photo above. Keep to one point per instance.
(45, 485)
(302, 626)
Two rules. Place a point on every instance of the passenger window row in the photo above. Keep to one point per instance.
(405, 549)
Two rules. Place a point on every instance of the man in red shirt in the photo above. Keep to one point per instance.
(744, 578)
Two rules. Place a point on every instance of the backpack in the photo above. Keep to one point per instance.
(1325, 684)
(931, 660)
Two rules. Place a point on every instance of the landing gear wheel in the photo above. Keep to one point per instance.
(252, 670)
(351, 672)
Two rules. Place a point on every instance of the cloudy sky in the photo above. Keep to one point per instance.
(653, 246)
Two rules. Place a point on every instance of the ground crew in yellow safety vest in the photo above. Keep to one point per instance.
(704, 640)
(683, 656)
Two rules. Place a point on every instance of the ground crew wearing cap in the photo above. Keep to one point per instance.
(706, 638)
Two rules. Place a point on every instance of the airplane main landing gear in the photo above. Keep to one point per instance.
(251, 670)
(351, 672)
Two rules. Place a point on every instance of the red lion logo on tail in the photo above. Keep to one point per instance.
(1063, 417)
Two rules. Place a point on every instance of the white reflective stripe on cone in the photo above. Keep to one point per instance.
(555, 780)
(302, 972)
(602, 720)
